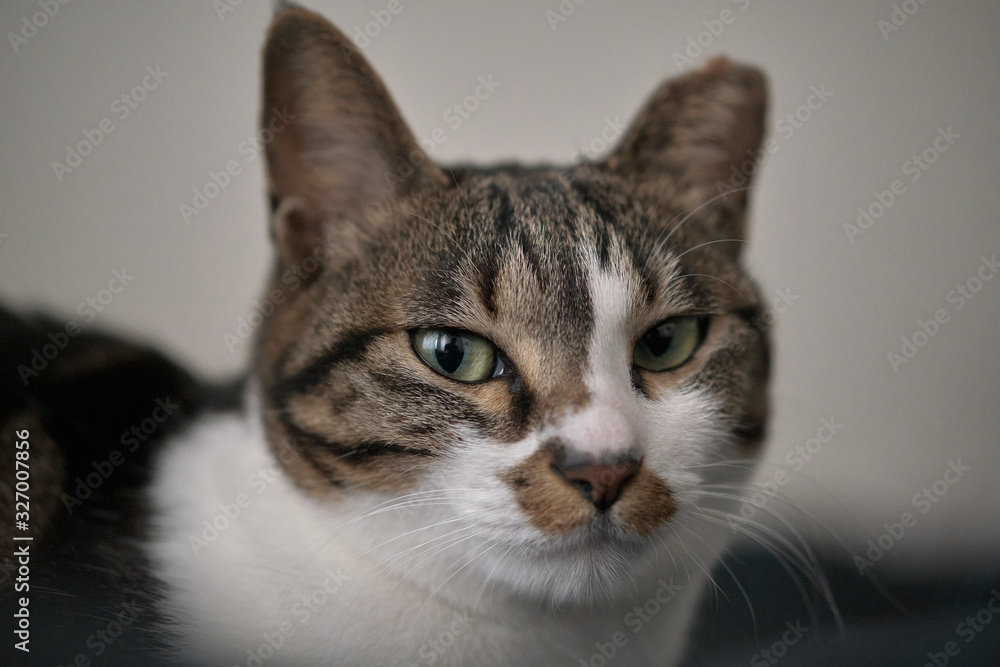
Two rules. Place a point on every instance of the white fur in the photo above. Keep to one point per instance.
(453, 574)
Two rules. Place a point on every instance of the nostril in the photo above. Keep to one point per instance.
(600, 483)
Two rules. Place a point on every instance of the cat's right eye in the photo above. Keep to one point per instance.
(669, 344)
(458, 355)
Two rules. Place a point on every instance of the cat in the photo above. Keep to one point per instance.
(496, 416)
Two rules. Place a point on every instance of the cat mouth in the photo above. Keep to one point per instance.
(603, 536)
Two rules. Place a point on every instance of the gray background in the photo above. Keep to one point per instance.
(853, 302)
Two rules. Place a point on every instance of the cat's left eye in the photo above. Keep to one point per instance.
(669, 344)
(457, 354)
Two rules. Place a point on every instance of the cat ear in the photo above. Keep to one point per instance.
(698, 131)
(339, 148)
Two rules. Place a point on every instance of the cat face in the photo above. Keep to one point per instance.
(560, 353)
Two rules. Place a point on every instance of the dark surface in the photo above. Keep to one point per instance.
(875, 631)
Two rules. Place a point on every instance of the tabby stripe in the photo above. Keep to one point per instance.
(750, 431)
(459, 408)
(503, 210)
(309, 445)
(503, 223)
(364, 452)
(533, 258)
(603, 215)
(347, 349)
(609, 223)
(316, 450)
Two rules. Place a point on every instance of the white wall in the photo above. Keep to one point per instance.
(854, 301)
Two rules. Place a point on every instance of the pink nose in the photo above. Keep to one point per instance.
(600, 483)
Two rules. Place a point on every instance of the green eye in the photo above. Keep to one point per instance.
(460, 356)
(669, 344)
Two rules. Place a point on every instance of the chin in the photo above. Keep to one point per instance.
(596, 565)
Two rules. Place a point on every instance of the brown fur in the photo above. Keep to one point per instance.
(646, 504)
(551, 505)
(498, 252)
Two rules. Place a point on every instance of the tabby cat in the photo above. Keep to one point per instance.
(491, 418)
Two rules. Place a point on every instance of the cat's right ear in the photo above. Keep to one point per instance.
(337, 148)
(697, 134)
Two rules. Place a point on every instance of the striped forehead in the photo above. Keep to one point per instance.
(534, 260)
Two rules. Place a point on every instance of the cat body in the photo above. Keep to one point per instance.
(498, 416)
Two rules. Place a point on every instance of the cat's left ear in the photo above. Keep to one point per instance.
(697, 133)
(338, 150)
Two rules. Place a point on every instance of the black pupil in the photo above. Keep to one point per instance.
(659, 338)
(450, 352)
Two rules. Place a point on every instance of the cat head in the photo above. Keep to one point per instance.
(562, 353)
